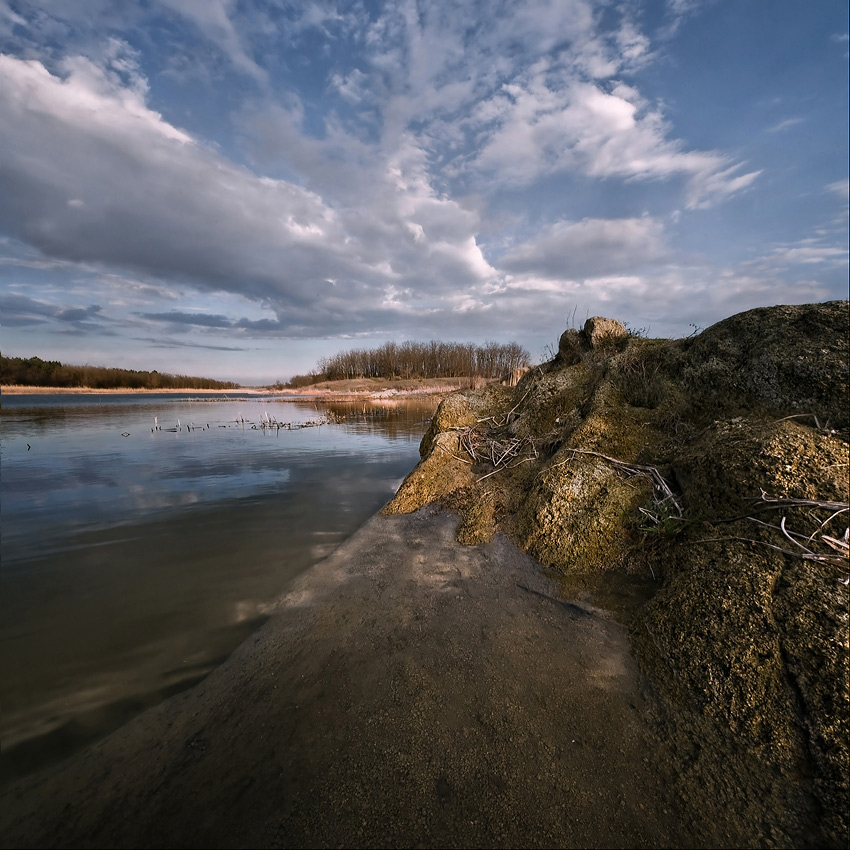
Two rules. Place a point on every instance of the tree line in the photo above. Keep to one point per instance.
(420, 360)
(35, 372)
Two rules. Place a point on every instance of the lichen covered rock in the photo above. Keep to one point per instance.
(571, 347)
(575, 516)
(453, 412)
(439, 473)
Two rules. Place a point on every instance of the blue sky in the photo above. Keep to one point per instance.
(236, 189)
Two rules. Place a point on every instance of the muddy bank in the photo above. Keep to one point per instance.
(409, 691)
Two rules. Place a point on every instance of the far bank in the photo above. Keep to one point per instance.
(356, 387)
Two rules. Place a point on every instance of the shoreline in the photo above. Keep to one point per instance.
(22, 390)
(321, 393)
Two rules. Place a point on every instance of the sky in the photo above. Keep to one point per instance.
(236, 189)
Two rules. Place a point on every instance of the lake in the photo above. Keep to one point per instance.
(145, 536)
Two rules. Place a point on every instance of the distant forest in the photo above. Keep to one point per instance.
(419, 360)
(35, 372)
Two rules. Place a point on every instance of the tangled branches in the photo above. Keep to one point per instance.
(501, 452)
(818, 546)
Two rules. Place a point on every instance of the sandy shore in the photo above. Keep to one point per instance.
(407, 692)
(341, 392)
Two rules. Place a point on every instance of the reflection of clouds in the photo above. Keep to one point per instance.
(54, 474)
(269, 507)
(146, 499)
(86, 475)
(86, 698)
(246, 610)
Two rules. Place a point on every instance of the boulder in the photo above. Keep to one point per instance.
(789, 360)
(600, 333)
(571, 347)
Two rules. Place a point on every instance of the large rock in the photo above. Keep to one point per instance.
(454, 412)
(601, 333)
(787, 359)
(571, 348)
(743, 630)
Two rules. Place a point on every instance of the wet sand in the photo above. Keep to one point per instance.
(407, 692)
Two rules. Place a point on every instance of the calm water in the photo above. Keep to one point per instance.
(137, 555)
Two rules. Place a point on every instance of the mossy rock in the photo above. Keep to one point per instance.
(811, 607)
(601, 333)
(548, 398)
(454, 412)
(724, 470)
(787, 360)
(614, 428)
(577, 515)
(711, 637)
(477, 519)
(438, 474)
(757, 641)
(752, 639)
(490, 401)
(647, 372)
(465, 408)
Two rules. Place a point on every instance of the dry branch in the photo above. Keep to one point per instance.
(782, 501)
(637, 469)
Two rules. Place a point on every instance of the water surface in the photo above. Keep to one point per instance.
(138, 552)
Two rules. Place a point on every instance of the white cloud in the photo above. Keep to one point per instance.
(89, 96)
(663, 300)
(213, 20)
(9, 18)
(714, 185)
(352, 87)
(453, 129)
(535, 91)
(96, 176)
(840, 188)
(809, 251)
(781, 126)
(569, 250)
(538, 129)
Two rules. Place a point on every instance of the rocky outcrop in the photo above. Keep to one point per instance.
(717, 464)
(598, 334)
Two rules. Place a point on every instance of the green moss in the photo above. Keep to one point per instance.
(724, 469)
(576, 516)
(478, 521)
(454, 412)
(439, 473)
